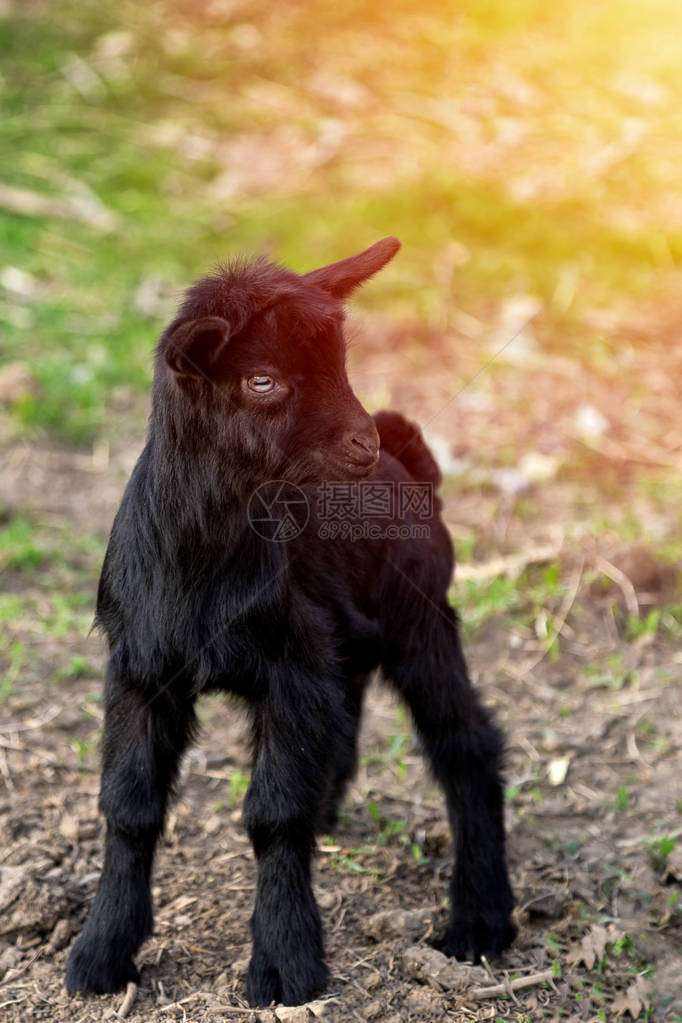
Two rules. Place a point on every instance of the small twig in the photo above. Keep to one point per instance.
(25, 726)
(629, 843)
(511, 565)
(203, 994)
(225, 1010)
(480, 993)
(18, 970)
(6, 773)
(127, 1003)
(633, 750)
(608, 448)
(484, 960)
(34, 204)
(216, 1007)
(620, 579)
(559, 623)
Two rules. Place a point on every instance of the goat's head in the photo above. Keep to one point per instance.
(254, 366)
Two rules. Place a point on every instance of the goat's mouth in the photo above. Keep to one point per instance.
(339, 467)
(355, 468)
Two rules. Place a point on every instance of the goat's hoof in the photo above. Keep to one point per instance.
(469, 939)
(291, 984)
(95, 969)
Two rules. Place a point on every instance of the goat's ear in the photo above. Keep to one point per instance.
(340, 279)
(194, 347)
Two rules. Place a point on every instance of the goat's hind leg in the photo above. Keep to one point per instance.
(464, 748)
(343, 753)
(142, 744)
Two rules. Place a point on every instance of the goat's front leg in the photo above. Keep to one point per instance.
(143, 741)
(294, 727)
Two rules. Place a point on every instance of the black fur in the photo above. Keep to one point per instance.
(192, 599)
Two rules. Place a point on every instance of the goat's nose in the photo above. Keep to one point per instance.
(365, 444)
(362, 445)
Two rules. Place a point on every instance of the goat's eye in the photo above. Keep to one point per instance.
(261, 384)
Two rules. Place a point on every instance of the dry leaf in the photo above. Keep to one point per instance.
(591, 949)
(599, 936)
(673, 865)
(633, 1000)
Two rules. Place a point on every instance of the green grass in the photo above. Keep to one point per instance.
(78, 666)
(239, 783)
(17, 656)
(659, 851)
(81, 121)
(48, 574)
(19, 549)
(12, 608)
(35, 549)
(610, 673)
(516, 602)
(391, 756)
(478, 602)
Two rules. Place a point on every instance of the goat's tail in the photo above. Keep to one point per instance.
(403, 439)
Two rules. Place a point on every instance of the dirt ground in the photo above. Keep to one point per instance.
(591, 711)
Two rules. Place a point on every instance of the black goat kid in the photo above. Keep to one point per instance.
(250, 386)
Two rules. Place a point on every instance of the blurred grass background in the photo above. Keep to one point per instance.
(529, 156)
(516, 149)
